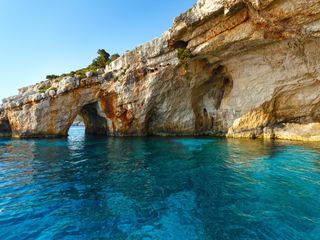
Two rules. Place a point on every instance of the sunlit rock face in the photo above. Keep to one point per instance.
(226, 67)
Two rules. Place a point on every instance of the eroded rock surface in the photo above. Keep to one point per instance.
(237, 68)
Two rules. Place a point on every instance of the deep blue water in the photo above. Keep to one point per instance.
(158, 188)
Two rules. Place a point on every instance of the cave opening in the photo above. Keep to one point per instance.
(90, 120)
(207, 101)
(5, 127)
(179, 44)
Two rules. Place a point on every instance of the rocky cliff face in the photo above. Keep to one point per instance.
(237, 68)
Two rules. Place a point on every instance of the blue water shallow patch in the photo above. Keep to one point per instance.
(158, 188)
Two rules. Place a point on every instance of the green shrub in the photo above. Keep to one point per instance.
(54, 89)
(114, 57)
(184, 56)
(51, 77)
(81, 75)
(99, 62)
(44, 89)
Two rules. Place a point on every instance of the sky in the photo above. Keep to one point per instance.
(42, 37)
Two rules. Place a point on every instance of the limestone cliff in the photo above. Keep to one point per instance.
(237, 68)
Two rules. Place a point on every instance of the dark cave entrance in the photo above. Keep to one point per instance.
(5, 127)
(207, 99)
(92, 120)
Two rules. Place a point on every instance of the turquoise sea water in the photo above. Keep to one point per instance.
(158, 188)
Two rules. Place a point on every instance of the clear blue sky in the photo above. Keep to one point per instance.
(41, 37)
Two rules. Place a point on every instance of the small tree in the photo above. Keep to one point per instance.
(103, 54)
(114, 57)
(51, 77)
(101, 60)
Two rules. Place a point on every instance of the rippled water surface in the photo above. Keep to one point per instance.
(158, 188)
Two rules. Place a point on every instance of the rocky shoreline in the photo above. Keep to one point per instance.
(230, 68)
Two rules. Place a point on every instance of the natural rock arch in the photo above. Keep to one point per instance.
(53, 116)
(94, 119)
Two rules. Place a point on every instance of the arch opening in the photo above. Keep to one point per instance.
(5, 127)
(92, 119)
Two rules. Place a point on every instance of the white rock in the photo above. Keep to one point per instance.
(36, 97)
(60, 91)
(68, 83)
(44, 95)
(89, 74)
(100, 71)
(52, 93)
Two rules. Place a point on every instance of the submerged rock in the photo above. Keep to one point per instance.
(229, 68)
